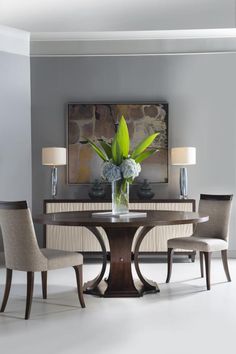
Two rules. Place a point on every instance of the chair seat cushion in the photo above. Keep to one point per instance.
(2, 259)
(61, 259)
(195, 243)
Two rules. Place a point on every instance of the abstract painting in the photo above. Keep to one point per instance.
(96, 121)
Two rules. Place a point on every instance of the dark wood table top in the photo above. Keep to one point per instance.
(153, 218)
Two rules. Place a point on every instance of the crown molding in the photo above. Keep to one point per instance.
(128, 43)
(14, 41)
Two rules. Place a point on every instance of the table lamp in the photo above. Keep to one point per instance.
(54, 156)
(183, 156)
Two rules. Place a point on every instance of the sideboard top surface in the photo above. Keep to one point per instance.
(109, 201)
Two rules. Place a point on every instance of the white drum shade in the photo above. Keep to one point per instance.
(183, 156)
(54, 156)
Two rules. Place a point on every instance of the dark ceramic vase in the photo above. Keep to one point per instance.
(97, 191)
(145, 191)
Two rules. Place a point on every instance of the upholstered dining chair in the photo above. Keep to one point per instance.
(23, 253)
(2, 257)
(207, 237)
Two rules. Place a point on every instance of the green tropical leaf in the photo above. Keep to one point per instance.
(116, 151)
(145, 143)
(122, 136)
(97, 149)
(145, 154)
(107, 148)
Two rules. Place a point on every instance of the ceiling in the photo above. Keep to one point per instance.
(116, 15)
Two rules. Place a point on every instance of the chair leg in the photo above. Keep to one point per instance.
(201, 264)
(225, 264)
(44, 276)
(79, 278)
(7, 289)
(170, 262)
(30, 289)
(207, 256)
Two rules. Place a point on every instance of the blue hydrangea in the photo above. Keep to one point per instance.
(111, 172)
(129, 168)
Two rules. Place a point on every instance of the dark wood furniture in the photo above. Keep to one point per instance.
(80, 239)
(120, 233)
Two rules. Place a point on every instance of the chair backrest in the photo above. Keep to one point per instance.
(19, 240)
(1, 242)
(218, 207)
(2, 258)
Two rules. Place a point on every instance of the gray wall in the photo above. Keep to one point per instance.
(200, 90)
(15, 128)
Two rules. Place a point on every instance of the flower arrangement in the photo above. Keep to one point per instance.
(121, 166)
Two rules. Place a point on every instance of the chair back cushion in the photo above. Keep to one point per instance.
(1, 242)
(218, 207)
(2, 258)
(19, 240)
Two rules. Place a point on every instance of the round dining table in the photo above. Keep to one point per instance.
(121, 236)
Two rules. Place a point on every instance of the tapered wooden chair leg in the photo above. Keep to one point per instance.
(79, 280)
(7, 289)
(170, 262)
(207, 256)
(44, 276)
(224, 257)
(201, 264)
(30, 290)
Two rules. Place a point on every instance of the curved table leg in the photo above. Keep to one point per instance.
(148, 286)
(92, 286)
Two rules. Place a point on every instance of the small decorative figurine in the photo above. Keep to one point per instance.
(97, 190)
(145, 191)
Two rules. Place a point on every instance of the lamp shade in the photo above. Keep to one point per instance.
(183, 156)
(54, 156)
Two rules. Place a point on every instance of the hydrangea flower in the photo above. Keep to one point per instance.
(111, 172)
(129, 168)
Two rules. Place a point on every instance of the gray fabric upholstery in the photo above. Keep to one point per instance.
(20, 244)
(1, 241)
(194, 243)
(209, 236)
(61, 259)
(219, 215)
(21, 247)
(2, 259)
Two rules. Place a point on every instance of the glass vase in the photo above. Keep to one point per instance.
(120, 197)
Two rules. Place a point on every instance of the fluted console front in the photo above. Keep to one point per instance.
(80, 239)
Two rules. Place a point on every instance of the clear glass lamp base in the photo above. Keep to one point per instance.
(54, 182)
(183, 183)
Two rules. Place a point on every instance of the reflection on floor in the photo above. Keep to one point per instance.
(182, 318)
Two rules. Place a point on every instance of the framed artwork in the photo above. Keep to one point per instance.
(96, 121)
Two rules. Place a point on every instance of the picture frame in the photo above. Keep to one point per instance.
(99, 120)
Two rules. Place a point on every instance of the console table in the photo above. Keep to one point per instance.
(81, 239)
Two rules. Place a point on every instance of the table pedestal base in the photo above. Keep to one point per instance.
(141, 289)
(120, 282)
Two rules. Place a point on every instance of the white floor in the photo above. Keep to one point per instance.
(182, 318)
